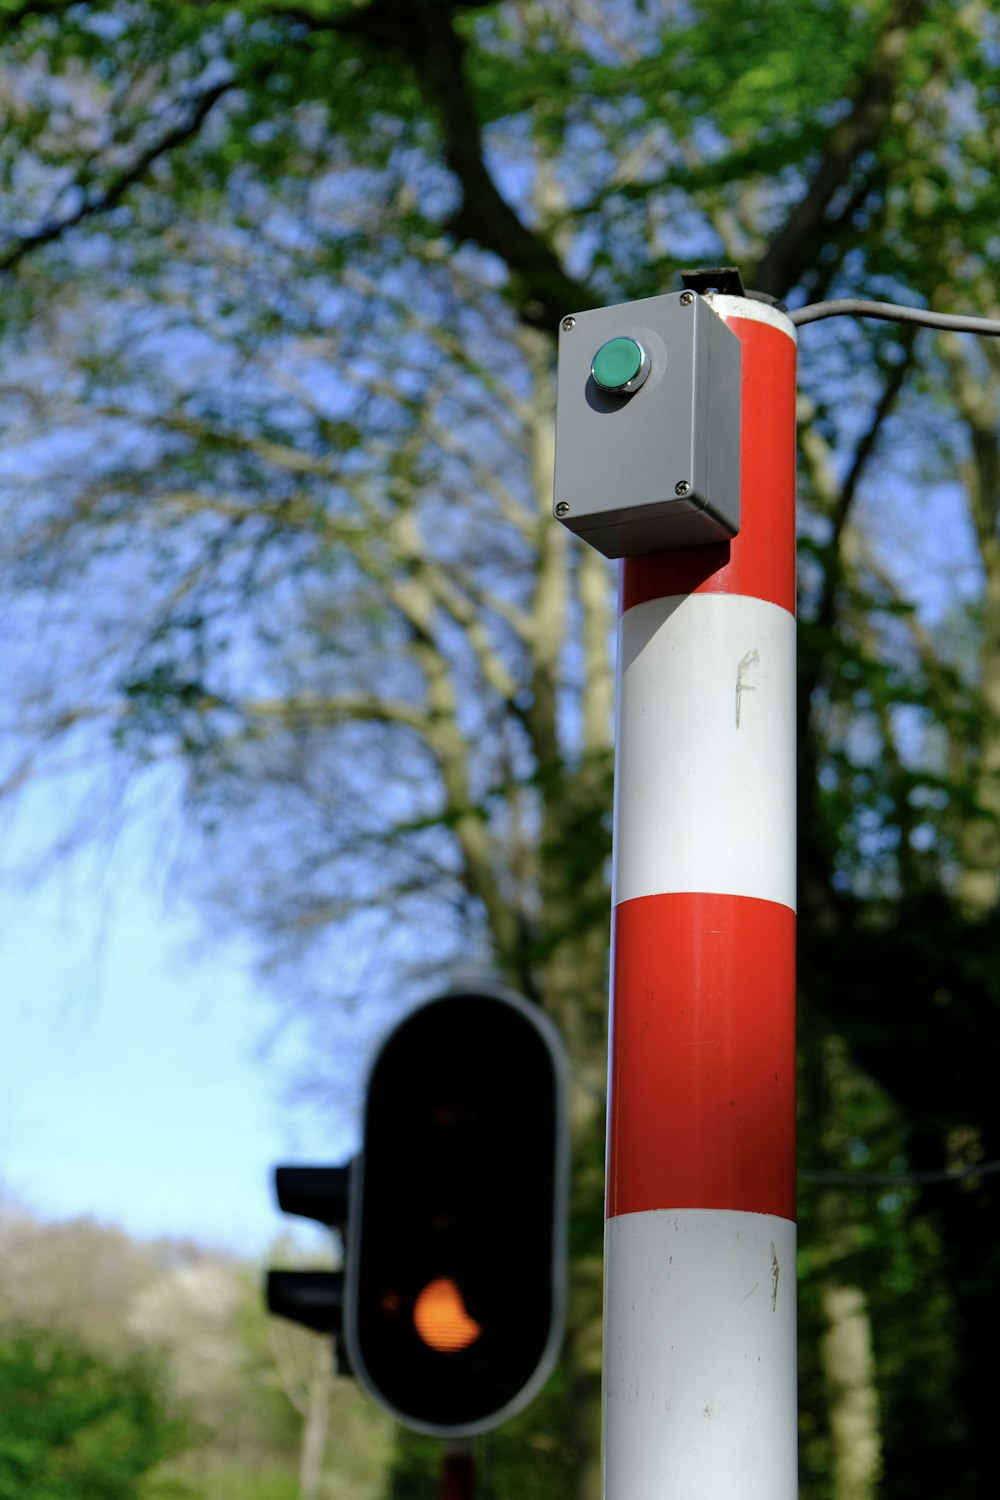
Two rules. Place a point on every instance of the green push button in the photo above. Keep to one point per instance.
(620, 366)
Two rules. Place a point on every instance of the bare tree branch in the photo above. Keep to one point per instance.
(423, 33)
(94, 202)
(793, 248)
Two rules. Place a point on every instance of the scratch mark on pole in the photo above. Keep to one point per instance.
(750, 660)
(775, 1273)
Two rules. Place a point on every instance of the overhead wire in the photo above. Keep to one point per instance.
(900, 1179)
(894, 312)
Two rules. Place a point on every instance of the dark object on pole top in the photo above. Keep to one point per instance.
(723, 279)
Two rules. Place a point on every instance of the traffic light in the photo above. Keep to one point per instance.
(313, 1298)
(455, 1274)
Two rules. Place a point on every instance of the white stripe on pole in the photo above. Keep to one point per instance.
(705, 780)
(702, 1304)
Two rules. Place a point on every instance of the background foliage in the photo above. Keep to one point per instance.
(150, 1370)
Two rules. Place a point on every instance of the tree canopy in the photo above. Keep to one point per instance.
(280, 284)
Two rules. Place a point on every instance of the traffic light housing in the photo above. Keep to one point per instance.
(455, 1263)
(313, 1298)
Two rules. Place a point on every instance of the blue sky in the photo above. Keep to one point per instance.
(134, 1082)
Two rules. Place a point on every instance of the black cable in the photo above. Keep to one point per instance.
(900, 1179)
(893, 312)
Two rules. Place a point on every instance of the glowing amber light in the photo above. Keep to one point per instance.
(441, 1320)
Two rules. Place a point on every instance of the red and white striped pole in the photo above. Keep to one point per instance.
(700, 1354)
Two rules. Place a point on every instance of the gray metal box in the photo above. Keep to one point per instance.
(659, 468)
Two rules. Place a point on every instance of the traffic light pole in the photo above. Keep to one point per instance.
(458, 1474)
(700, 1355)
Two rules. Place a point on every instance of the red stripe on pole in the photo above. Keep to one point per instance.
(760, 560)
(703, 1055)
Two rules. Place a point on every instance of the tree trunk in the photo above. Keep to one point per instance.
(853, 1409)
(316, 1426)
